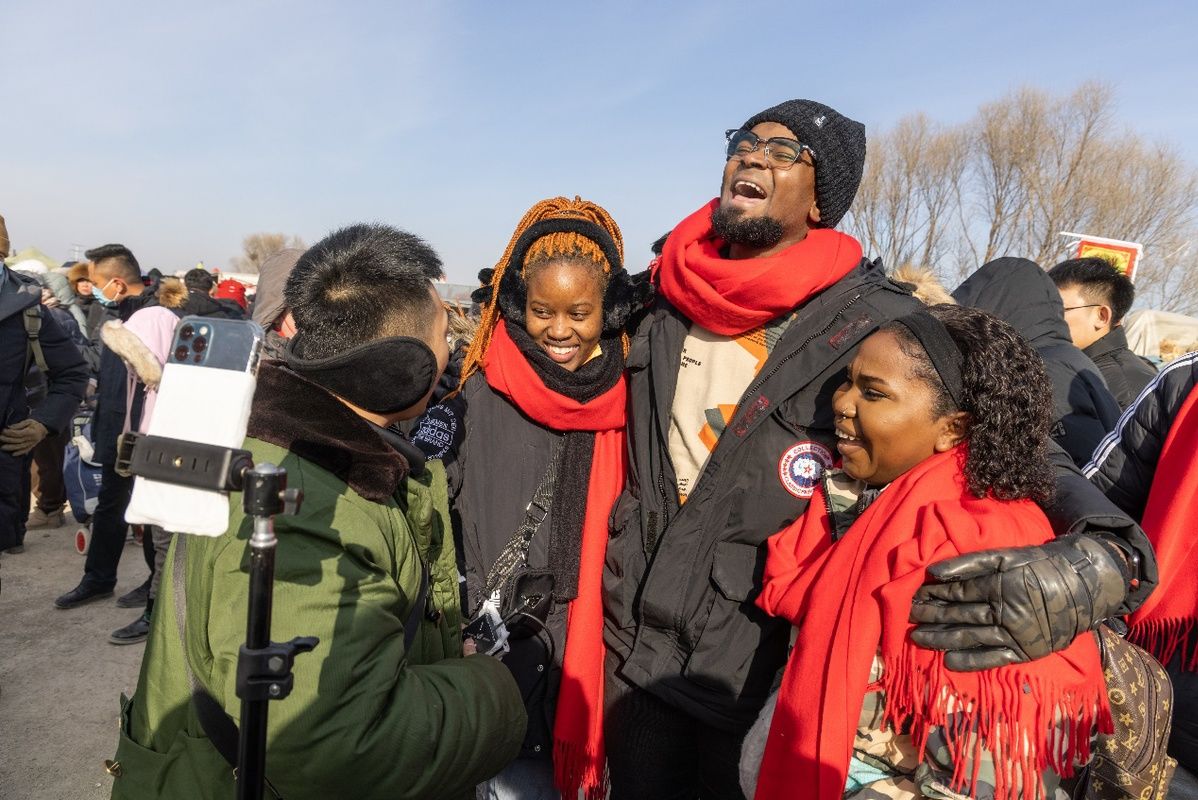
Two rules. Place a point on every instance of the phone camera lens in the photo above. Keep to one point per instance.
(186, 332)
(199, 358)
(199, 344)
(181, 352)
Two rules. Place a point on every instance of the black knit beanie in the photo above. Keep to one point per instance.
(839, 145)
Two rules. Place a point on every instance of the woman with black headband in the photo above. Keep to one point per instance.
(942, 428)
(541, 461)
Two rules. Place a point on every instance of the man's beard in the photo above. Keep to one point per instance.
(757, 233)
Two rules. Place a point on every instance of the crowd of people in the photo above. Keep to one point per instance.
(760, 521)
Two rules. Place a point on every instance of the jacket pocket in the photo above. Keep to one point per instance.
(619, 573)
(190, 768)
(733, 653)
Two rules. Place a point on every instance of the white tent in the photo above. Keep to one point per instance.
(1160, 335)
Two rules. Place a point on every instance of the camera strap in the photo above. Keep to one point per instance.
(515, 553)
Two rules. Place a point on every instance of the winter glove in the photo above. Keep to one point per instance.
(998, 607)
(19, 439)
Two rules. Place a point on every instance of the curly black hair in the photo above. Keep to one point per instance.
(1007, 396)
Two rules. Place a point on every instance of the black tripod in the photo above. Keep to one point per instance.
(263, 666)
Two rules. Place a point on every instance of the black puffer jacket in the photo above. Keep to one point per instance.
(1017, 291)
(1123, 467)
(1126, 374)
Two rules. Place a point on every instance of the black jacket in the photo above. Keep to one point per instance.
(109, 418)
(680, 582)
(1126, 374)
(1017, 291)
(1123, 467)
(500, 458)
(66, 381)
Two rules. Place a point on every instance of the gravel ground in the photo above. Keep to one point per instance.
(60, 679)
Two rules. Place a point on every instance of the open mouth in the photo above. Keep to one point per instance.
(561, 353)
(744, 194)
(845, 440)
(748, 190)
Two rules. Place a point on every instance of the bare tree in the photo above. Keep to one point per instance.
(1025, 168)
(257, 246)
(911, 180)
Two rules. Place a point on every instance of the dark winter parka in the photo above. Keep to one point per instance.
(109, 419)
(1123, 467)
(1125, 373)
(680, 582)
(494, 473)
(1017, 291)
(65, 385)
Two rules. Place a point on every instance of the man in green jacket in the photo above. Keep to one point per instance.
(369, 717)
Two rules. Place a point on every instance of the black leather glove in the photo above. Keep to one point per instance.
(998, 607)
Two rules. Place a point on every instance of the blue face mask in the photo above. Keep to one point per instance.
(100, 298)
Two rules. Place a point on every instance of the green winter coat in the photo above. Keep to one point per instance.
(366, 719)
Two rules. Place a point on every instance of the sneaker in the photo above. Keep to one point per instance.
(42, 519)
(136, 598)
(136, 631)
(16, 548)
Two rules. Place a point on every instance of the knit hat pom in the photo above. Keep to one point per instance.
(839, 145)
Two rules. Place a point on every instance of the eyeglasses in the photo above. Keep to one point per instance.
(780, 152)
(1075, 308)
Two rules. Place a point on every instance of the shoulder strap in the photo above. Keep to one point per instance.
(515, 553)
(216, 723)
(33, 328)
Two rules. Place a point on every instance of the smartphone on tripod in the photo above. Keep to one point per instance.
(207, 387)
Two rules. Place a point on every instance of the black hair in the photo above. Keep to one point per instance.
(119, 257)
(1099, 282)
(362, 283)
(1007, 396)
(659, 246)
(199, 280)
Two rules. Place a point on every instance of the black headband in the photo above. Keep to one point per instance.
(583, 227)
(942, 351)
(513, 290)
(383, 376)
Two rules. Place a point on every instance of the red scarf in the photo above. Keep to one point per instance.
(1168, 619)
(578, 751)
(731, 296)
(851, 601)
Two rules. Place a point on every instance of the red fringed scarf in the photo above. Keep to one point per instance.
(579, 757)
(851, 600)
(732, 296)
(1168, 620)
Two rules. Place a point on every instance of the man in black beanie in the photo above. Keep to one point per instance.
(760, 305)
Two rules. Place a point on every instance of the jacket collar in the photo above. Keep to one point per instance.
(17, 293)
(300, 416)
(1115, 339)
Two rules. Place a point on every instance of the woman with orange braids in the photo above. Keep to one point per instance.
(539, 464)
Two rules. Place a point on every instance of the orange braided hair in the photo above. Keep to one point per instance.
(551, 246)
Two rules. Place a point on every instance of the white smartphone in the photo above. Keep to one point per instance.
(207, 387)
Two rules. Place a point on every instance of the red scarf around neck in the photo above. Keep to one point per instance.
(731, 296)
(851, 600)
(1168, 620)
(578, 750)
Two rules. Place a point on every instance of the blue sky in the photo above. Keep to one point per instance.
(177, 128)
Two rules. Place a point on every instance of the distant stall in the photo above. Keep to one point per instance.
(1161, 335)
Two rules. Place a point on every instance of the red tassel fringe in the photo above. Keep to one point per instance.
(1028, 724)
(1165, 638)
(574, 769)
